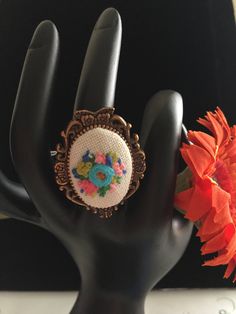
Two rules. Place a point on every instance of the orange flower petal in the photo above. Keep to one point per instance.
(209, 228)
(182, 199)
(219, 198)
(198, 159)
(214, 126)
(189, 201)
(203, 140)
(219, 115)
(220, 241)
(217, 124)
(230, 268)
(225, 256)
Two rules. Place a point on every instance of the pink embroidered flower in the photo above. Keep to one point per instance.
(87, 187)
(122, 166)
(112, 187)
(100, 158)
(117, 169)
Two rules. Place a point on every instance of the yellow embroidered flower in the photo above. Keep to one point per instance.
(114, 156)
(83, 168)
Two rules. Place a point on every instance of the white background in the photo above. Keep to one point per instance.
(180, 301)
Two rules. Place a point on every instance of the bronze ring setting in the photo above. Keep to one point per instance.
(99, 164)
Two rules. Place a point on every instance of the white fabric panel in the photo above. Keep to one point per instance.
(102, 140)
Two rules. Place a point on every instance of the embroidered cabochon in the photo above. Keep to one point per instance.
(99, 165)
(100, 182)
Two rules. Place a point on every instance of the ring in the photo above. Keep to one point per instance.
(99, 164)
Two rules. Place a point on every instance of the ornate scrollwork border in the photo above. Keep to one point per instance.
(83, 121)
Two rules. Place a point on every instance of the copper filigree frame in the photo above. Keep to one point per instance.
(83, 121)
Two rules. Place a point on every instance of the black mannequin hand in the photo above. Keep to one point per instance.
(122, 258)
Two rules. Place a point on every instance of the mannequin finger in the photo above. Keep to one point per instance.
(160, 137)
(15, 202)
(29, 130)
(98, 77)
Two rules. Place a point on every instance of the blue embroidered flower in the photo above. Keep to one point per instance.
(109, 160)
(101, 175)
(87, 157)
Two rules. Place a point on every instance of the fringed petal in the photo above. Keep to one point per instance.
(217, 124)
(225, 255)
(214, 126)
(220, 198)
(182, 199)
(211, 200)
(198, 159)
(215, 244)
(203, 140)
(230, 268)
(219, 115)
(189, 202)
(208, 228)
(230, 151)
(220, 241)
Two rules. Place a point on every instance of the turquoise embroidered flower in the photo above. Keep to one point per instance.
(101, 175)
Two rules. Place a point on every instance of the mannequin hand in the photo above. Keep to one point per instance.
(121, 258)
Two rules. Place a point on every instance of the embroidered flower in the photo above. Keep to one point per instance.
(100, 158)
(112, 187)
(118, 169)
(99, 173)
(114, 156)
(211, 198)
(83, 168)
(109, 160)
(87, 187)
(88, 157)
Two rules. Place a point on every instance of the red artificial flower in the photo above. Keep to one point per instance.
(211, 198)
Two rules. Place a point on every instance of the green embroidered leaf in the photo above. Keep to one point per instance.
(103, 190)
(118, 179)
(82, 177)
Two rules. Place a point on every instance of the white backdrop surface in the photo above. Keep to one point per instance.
(180, 301)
